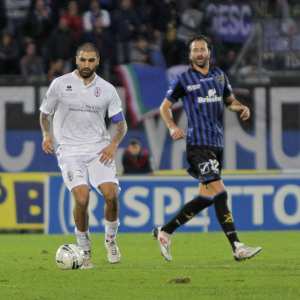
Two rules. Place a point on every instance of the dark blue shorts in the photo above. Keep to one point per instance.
(205, 163)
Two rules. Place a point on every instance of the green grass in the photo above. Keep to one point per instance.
(29, 271)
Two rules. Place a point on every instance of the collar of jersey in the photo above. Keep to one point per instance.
(93, 82)
(194, 70)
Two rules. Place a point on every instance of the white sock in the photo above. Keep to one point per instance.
(83, 239)
(111, 229)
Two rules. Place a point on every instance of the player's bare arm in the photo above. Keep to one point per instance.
(166, 113)
(47, 138)
(234, 105)
(108, 153)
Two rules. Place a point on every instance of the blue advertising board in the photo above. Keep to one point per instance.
(257, 202)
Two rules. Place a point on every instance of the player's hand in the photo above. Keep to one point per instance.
(107, 154)
(46, 145)
(245, 113)
(177, 133)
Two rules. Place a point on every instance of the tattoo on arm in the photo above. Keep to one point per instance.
(120, 132)
(45, 123)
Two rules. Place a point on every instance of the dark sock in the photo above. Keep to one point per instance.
(187, 212)
(225, 217)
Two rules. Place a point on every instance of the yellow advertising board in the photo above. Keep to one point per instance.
(22, 200)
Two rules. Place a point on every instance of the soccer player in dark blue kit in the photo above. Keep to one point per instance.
(203, 91)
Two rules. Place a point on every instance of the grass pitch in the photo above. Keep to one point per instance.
(29, 271)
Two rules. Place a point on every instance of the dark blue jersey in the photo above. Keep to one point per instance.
(202, 97)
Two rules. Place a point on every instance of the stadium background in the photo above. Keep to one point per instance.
(261, 155)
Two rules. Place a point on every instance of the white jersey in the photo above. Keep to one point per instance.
(78, 113)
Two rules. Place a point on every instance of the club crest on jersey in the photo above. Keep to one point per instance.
(70, 175)
(220, 79)
(97, 91)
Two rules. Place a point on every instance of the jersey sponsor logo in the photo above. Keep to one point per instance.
(78, 174)
(220, 79)
(84, 107)
(97, 91)
(68, 95)
(69, 88)
(211, 93)
(193, 87)
(93, 107)
(206, 79)
(76, 105)
(212, 97)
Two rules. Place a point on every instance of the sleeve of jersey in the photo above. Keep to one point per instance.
(175, 90)
(50, 101)
(227, 87)
(115, 107)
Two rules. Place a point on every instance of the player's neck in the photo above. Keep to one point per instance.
(203, 70)
(86, 80)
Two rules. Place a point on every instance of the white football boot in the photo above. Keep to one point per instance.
(87, 261)
(164, 240)
(243, 252)
(113, 253)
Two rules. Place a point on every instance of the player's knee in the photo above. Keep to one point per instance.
(111, 199)
(82, 202)
(81, 196)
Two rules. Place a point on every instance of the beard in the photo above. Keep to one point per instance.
(201, 64)
(88, 74)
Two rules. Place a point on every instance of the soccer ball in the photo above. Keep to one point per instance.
(69, 257)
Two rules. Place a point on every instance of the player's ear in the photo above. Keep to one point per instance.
(98, 61)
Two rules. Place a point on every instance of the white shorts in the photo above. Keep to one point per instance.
(86, 170)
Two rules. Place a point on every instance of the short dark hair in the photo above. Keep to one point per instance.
(134, 141)
(88, 47)
(197, 38)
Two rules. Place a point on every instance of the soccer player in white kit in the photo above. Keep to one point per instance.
(76, 105)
